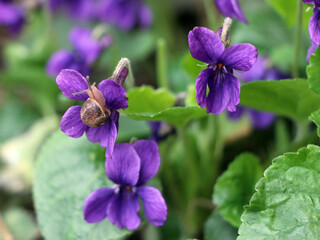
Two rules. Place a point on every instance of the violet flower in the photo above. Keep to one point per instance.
(314, 26)
(98, 117)
(259, 71)
(160, 130)
(86, 50)
(125, 14)
(224, 88)
(130, 167)
(11, 17)
(231, 8)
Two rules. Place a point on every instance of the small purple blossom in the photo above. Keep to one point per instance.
(126, 14)
(11, 17)
(231, 9)
(314, 23)
(109, 97)
(130, 167)
(160, 130)
(259, 71)
(224, 88)
(86, 50)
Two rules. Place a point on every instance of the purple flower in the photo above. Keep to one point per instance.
(231, 8)
(311, 50)
(125, 14)
(130, 167)
(314, 23)
(98, 116)
(259, 71)
(160, 130)
(11, 17)
(86, 50)
(224, 88)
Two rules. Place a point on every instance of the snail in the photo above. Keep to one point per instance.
(93, 111)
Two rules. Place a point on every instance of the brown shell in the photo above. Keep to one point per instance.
(92, 114)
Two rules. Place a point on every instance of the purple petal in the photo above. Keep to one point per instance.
(205, 45)
(71, 123)
(106, 135)
(114, 94)
(123, 209)
(201, 86)
(240, 56)
(236, 115)
(84, 43)
(123, 166)
(307, 1)
(11, 16)
(261, 120)
(70, 81)
(154, 205)
(148, 152)
(224, 91)
(145, 16)
(311, 50)
(256, 72)
(314, 26)
(62, 59)
(115, 118)
(231, 8)
(95, 205)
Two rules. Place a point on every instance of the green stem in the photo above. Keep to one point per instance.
(162, 75)
(297, 40)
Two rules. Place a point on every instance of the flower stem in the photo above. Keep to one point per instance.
(162, 75)
(297, 40)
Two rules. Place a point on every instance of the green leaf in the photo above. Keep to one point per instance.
(147, 104)
(20, 224)
(147, 99)
(290, 98)
(216, 228)
(286, 204)
(235, 187)
(313, 71)
(67, 171)
(315, 117)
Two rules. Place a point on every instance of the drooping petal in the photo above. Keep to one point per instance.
(62, 59)
(123, 166)
(311, 50)
(148, 152)
(154, 205)
(236, 115)
(261, 120)
(70, 81)
(71, 123)
(314, 26)
(205, 45)
(256, 72)
(240, 56)
(95, 205)
(106, 135)
(114, 94)
(145, 16)
(84, 43)
(231, 8)
(123, 209)
(201, 86)
(224, 91)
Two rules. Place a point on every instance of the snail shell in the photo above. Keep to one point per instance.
(92, 114)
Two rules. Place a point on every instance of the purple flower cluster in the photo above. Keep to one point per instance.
(125, 14)
(87, 49)
(130, 167)
(231, 9)
(224, 88)
(259, 71)
(12, 17)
